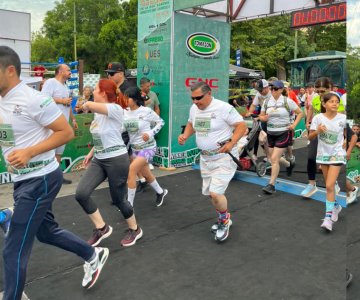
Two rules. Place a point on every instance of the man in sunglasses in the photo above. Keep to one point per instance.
(218, 127)
(116, 72)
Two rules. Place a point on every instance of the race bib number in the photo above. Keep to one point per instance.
(131, 125)
(6, 135)
(202, 125)
(329, 137)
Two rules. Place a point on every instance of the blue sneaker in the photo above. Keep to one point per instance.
(5, 224)
(309, 191)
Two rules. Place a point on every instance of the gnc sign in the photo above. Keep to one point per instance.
(212, 82)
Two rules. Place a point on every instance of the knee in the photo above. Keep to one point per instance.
(330, 188)
(126, 209)
(81, 195)
(214, 197)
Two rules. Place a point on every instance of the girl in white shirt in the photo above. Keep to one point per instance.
(330, 127)
(139, 123)
(107, 159)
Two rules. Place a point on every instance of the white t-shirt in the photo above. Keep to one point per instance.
(140, 121)
(330, 143)
(343, 98)
(279, 116)
(106, 132)
(214, 124)
(54, 88)
(24, 114)
(260, 99)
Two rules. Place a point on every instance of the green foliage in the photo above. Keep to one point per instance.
(353, 83)
(268, 43)
(105, 31)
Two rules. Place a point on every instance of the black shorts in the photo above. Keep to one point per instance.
(283, 140)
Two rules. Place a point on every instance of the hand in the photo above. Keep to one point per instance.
(291, 127)
(227, 147)
(145, 137)
(348, 155)
(321, 128)
(264, 118)
(87, 160)
(307, 126)
(67, 101)
(182, 139)
(19, 158)
(74, 123)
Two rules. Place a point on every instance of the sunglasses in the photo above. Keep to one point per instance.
(111, 73)
(274, 88)
(198, 98)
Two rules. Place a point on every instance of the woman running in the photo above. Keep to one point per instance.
(329, 127)
(142, 124)
(107, 159)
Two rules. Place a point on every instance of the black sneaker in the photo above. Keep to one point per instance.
(141, 187)
(290, 168)
(67, 181)
(99, 235)
(160, 198)
(269, 189)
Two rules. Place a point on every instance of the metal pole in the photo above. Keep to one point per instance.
(75, 55)
(296, 45)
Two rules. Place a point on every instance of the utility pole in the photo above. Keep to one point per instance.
(75, 55)
(296, 44)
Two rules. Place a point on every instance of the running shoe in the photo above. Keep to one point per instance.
(269, 189)
(141, 187)
(93, 269)
(5, 224)
(215, 226)
(327, 224)
(223, 231)
(131, 237)
(99, 235)
(289, 169)
(352, 197)
(349, 277)
(160, 197)
(337, 188)
(151, 167)
(335, 213)
(309, 191)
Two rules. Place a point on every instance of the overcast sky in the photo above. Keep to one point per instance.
(353, 24)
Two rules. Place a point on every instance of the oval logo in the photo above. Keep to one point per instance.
(203, 44)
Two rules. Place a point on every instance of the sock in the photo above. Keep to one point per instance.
(224, 216)
(142, 180)
(329, 208)
(157, 188)
(2, 217)
(131, 196)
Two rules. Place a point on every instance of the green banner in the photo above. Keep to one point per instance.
(353, 166)
(182, 4)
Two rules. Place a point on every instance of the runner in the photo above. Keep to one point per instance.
(218, 128)
(329, 126)
(276, 112)
(142, 124)
(108, 159)
(32, 126)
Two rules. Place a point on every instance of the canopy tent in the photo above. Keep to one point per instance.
(242, 10)
(240, 72)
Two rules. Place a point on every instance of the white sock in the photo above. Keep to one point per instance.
(131, 196)
(157, 188)
(142, 180)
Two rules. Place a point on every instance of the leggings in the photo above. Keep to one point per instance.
(116, 169)
(311, 163)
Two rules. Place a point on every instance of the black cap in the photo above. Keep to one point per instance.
(115, 67)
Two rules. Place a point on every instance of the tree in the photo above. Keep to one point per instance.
(268, 43)
(353, 83)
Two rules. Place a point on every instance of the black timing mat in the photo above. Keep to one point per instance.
(276, 249)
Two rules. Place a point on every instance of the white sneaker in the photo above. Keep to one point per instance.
(352, 197)
(93, 269)
(327, 224)
(337, 188)
(151, 167)
(335, 213)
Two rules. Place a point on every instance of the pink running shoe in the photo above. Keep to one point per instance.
(335, 213)
(327, 224)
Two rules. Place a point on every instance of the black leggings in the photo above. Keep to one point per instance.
(116, 169)
(311, 163)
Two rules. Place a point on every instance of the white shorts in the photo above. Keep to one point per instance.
(60, 150)
(217, 174)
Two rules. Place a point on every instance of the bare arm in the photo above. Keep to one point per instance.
(239, 131)
(157, 109)
(96, 107)
(189, 131)
(62, 133)
(299, 116)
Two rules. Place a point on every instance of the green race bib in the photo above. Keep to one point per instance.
(131, 125)
(6, 135)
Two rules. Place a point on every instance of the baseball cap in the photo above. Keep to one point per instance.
(278, 84)
(261, 84)
(115, 67)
